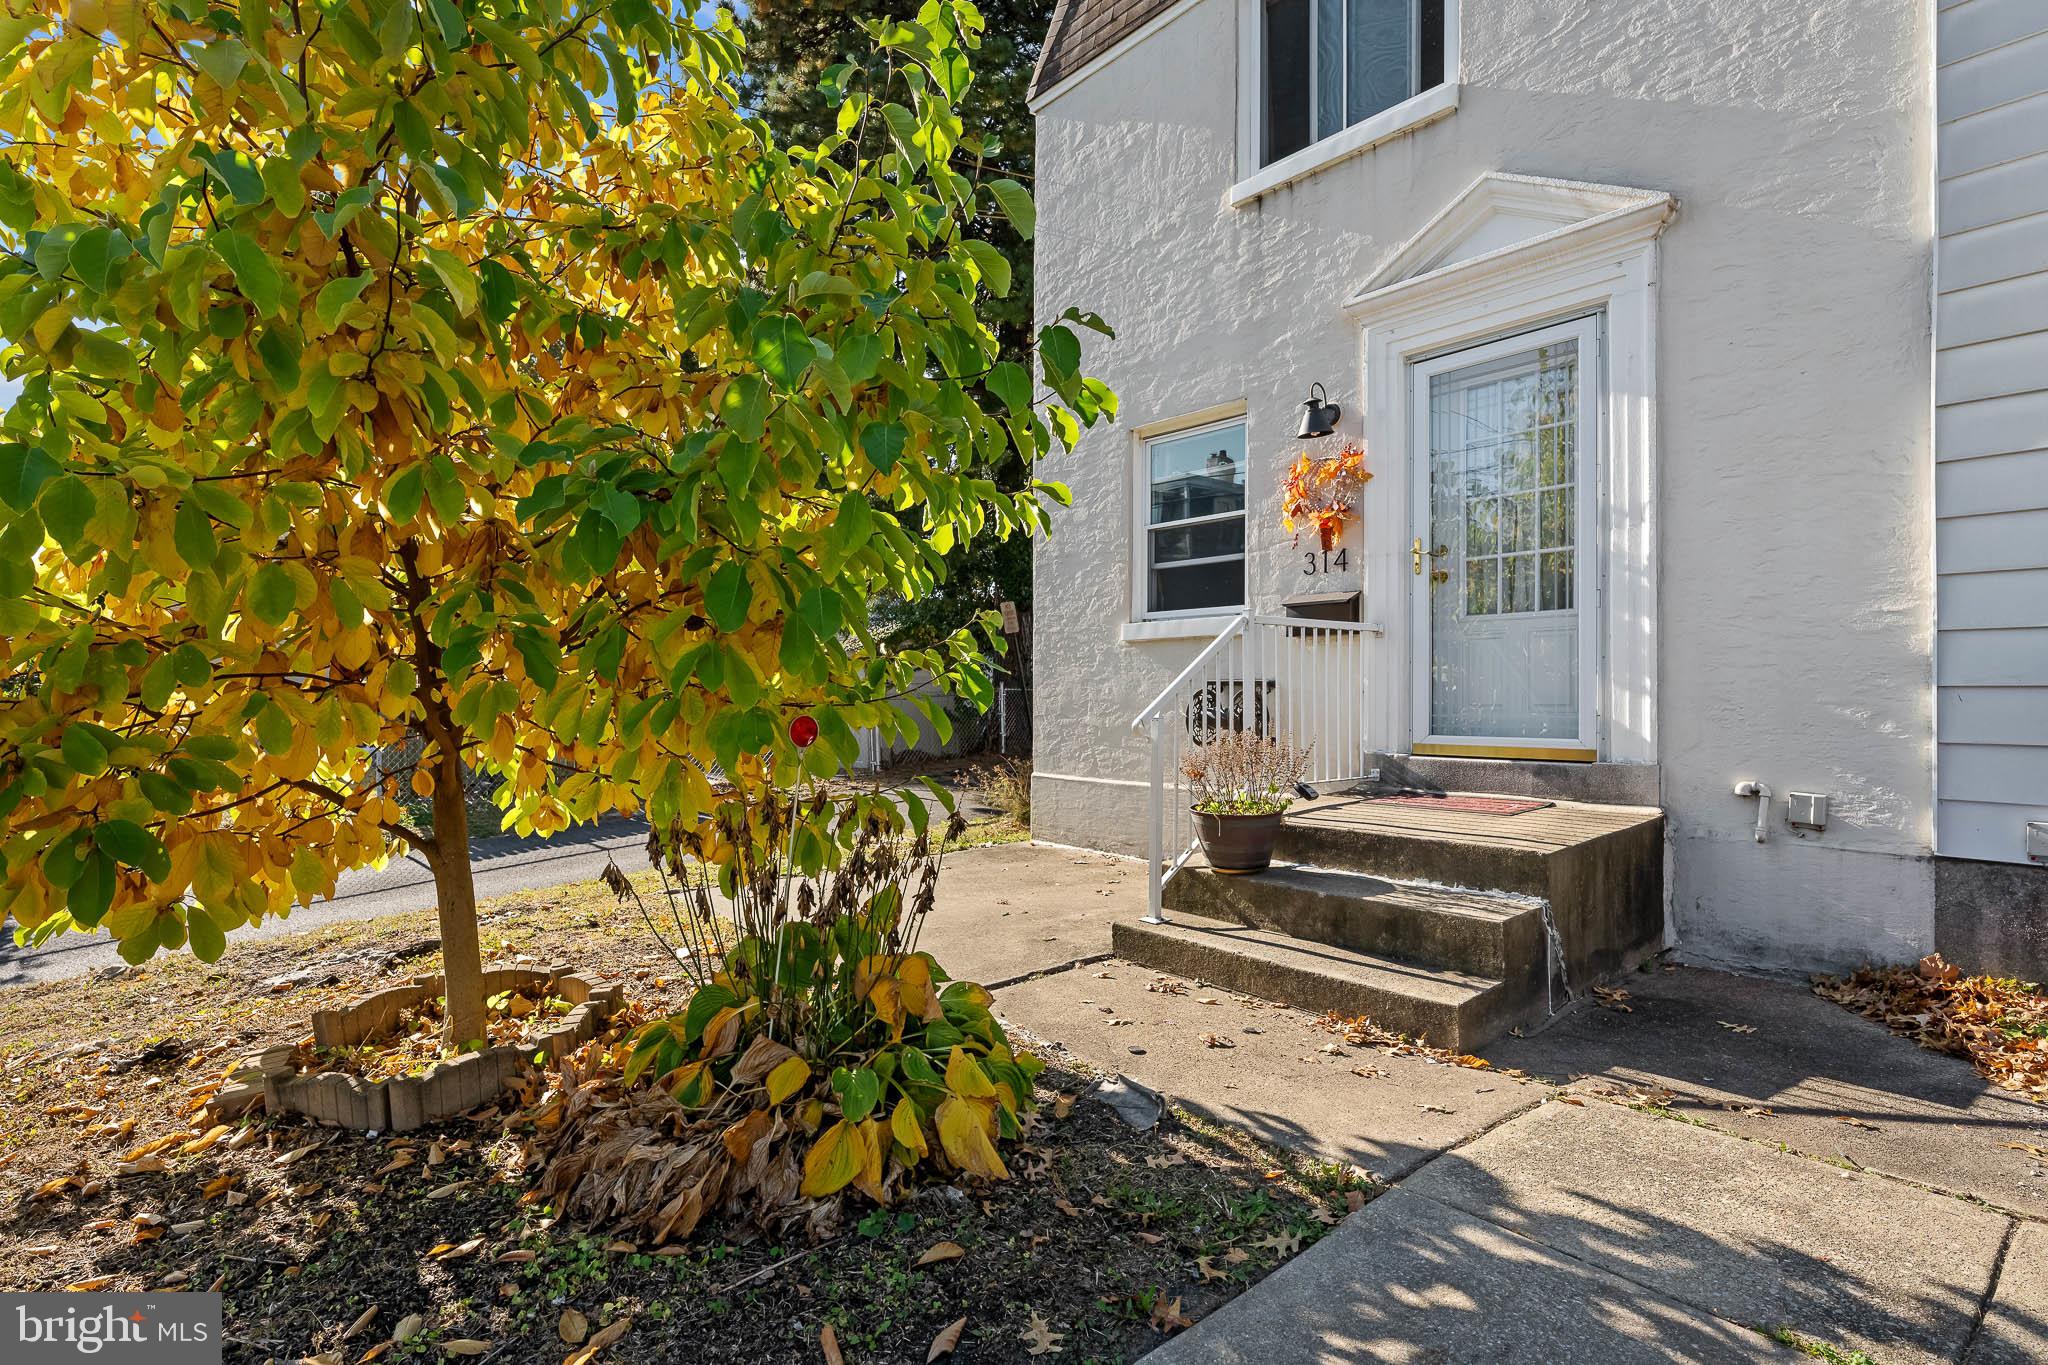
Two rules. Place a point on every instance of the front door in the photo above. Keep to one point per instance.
(1506, 441)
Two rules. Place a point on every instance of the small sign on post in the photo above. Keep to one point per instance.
(1011, 623)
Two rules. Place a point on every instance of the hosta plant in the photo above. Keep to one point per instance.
(820, 1048)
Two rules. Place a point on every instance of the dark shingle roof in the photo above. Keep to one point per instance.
(1083, 30)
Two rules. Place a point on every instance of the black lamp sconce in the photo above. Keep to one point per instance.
(1318, 415)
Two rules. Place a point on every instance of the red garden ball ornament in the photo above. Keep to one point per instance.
(803, 732)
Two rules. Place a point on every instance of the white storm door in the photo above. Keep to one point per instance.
(1505, 458)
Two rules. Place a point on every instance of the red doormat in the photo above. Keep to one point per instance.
(1470, 805)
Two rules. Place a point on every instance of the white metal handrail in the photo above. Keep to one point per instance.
(1278, 676)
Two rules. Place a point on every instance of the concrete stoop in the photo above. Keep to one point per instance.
(1431, 922)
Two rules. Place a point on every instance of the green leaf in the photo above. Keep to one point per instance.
(1060, 349)
(133, 845)
(337, 295)
(455, 276)
(96, 257)
(625, 88)
(238, 174)
(208, 942)
(1015, 202)
(83, 752)
(93, 892)
(1010, 382)
(403, 494)
(23, 472)
(782, 348)
(744, 407)
(102, 354)
(191, 665)
(728, 595)
(882, 443)
(223, 59)
(448, 19)
(272, 597)
(859, 1091)
(67, 505)
(192, 535)
(255, 275)
(823, 283)
(993, 265)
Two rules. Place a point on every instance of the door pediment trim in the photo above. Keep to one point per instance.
(1503, 225)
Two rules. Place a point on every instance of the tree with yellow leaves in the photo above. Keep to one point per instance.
(475, 375)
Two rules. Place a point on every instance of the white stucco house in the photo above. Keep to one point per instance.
(1699, 353)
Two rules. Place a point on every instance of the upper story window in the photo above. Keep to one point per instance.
(1330, 64)
(1192, 491)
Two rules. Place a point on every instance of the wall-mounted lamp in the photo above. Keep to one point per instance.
(1318, 415)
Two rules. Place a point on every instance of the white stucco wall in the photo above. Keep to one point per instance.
(1793, 430)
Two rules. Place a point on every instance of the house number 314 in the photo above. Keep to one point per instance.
(1325, 562)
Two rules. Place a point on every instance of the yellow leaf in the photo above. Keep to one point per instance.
(965, 1078)
(787, 1078)
(833, 1161)
(966, 1131)
(942, 1251)
(905, 1128)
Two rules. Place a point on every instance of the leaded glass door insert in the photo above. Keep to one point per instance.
(1506, 447)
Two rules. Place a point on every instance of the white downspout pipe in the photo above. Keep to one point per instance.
(1763, 806)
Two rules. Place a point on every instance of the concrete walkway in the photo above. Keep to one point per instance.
(1727, 1159)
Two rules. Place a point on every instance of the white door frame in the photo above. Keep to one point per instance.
(1586, 249)
(1588, 575)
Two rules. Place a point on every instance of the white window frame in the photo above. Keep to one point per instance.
(1255, 180)
(1141, 516)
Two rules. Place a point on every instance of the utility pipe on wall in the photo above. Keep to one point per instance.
(1763, 806)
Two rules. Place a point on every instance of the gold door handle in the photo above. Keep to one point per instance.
(1438, 553)
(1418, 554)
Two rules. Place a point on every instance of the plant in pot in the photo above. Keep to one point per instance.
(1242, 783)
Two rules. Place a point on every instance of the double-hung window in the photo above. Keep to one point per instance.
(1192, 494)
(1329, 64)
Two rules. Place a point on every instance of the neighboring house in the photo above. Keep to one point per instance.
(1700, 354)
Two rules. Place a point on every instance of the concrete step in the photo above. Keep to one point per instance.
(1447, 858)
(1446, 1009)
(1486, 935)
(1601, 867)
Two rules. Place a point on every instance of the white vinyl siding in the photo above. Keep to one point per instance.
(1991, 426)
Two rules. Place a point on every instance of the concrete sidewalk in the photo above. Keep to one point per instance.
(1728, 1159)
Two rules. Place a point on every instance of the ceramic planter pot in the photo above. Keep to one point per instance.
(1238, 844)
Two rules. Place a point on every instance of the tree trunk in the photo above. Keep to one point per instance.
(462, 965)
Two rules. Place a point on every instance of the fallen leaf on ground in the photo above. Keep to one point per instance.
(1062, 1105)
(1613, 998)
(465, 1346)
(1167, 1317)
(1282, 1244)
(947, 1339)
(1736, 1028)
(942, 1251)
(1216, 1040)
(572, 1327)
(1039, 1338)
(1067, 1208)
(1210, 1270)
(355, 1329)
(828, 1342)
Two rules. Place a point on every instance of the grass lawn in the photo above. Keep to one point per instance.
(1103, 1240)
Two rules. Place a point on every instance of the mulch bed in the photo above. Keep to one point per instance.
(1103, 1242)
(1999, 1024)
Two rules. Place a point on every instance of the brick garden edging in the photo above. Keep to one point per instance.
(402, 1103)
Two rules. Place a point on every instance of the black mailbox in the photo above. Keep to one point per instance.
(1325, 606)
